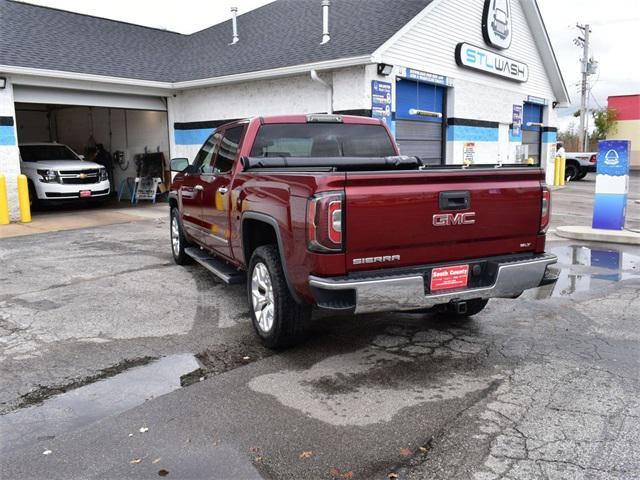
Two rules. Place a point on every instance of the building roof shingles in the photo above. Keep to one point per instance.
(279, 34)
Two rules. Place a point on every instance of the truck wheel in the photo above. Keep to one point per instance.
(33, 197)
(582, 174)
(178, 242)
(571, 172)
(474, 307)
(278, 319)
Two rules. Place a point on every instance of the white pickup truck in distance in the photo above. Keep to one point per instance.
(579, 164)
(55, 173)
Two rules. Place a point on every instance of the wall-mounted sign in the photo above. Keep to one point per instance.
(496, 23)
(516, 119)
(468, 152)
(476, 58)
(612, 184)
(381, 100)
(423, 76)
(536, 100)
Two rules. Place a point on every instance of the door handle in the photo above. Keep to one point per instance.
(454, 200)
(198, 188)
(223, 190)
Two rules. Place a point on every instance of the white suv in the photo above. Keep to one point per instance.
(56, 172)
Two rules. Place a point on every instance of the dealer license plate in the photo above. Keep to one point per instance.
(447, 278)
(85, 193)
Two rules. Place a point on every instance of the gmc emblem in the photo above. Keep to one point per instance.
(447, 219)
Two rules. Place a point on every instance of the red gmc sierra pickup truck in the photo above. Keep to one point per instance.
(322, 211)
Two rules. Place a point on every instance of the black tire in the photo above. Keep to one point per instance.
(179, 255)
(581, 175)
(474, 307)
(34, 203)
(289, 319)
(571, 172)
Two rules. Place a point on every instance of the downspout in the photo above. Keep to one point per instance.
(328, 86)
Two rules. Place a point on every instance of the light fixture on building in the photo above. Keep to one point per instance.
(535, 124)
(384, 69)
(425, 113)
(3, 83)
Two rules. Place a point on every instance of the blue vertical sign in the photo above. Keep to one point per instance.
(516, 119)
(381, 101)
(612, 184)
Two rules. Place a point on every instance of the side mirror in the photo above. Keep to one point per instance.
(179, 164)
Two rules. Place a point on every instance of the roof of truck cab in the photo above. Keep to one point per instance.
(271, 119)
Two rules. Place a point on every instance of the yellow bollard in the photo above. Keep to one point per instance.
(557, 181)
(556, 166)
(4, 202)
(23, 199)
(563, 162)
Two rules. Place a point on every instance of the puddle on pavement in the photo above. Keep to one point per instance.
(80, 407)
(586, 268)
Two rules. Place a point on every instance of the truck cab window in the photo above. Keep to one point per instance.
(204, 158)
(228, 149)
(322, 140)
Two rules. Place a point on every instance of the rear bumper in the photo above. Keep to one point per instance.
(504, 278)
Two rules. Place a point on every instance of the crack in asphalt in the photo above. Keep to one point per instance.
(86, 280)
(42, 392)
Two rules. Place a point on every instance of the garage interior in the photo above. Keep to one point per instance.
(132, 130)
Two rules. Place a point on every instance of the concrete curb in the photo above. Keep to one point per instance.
(597, 235)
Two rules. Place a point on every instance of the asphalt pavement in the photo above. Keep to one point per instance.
(115, 363)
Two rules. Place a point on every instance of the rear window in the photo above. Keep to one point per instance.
(41, 153)
(322, 140)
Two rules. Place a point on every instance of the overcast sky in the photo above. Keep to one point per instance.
(615, 26)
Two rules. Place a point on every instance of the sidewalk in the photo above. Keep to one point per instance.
(71, 219)
(589, 234)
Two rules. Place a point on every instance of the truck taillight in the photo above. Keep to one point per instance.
(545, 209)
(592, 159)
(324, 222)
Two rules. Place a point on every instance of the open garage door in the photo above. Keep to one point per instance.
(127, 134)
(61, 96)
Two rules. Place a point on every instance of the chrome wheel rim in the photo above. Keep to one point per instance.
(262, 297)
(175, 236)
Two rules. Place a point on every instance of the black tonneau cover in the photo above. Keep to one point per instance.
(333, 163)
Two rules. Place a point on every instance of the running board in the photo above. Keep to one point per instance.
(225, 272)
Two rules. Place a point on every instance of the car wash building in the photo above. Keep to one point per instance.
(456, 80)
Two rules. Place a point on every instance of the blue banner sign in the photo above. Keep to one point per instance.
(381, 100)
(516, 119)
(538, 100)
(612, 184)
(423, 76)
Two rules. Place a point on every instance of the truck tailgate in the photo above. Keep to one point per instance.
(390, 216)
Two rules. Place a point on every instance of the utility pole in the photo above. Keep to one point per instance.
(583, 41)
